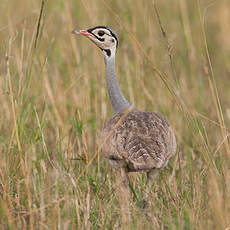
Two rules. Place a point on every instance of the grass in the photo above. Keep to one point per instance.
(172, 58)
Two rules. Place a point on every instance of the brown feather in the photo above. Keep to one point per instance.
(139, 141)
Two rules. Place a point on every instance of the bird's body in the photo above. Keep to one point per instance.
(132, 140)
(139, 141)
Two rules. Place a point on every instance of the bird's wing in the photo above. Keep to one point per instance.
(142, 139)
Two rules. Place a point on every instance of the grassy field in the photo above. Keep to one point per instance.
(173, 57)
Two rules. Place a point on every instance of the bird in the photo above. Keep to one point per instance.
(132, 140)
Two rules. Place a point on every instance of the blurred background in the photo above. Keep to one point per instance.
(173, 57)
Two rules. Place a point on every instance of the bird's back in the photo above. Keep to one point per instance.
(140, 140)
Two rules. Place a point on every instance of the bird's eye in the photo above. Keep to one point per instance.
(101, 33)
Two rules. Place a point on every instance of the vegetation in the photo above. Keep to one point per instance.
(173, 58)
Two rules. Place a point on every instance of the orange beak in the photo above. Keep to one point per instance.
(82, 32)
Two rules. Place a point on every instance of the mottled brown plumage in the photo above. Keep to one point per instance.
(138, 141)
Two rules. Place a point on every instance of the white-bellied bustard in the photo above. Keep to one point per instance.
(132, 140)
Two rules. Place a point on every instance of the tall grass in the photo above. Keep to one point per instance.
(173, 58)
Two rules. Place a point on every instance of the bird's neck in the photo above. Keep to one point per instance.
(117, 99)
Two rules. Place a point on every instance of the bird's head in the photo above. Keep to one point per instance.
(104, 37)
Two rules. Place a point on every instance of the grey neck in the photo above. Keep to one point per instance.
(117, 99)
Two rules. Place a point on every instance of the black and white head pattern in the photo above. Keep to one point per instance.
(105, 38)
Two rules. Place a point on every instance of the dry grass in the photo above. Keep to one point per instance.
(173, 58)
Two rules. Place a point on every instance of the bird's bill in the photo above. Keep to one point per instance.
(82, 32)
